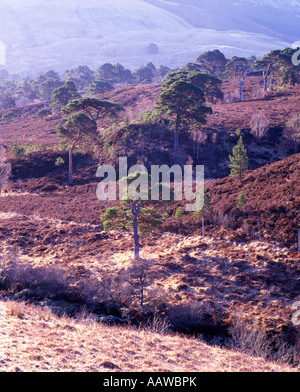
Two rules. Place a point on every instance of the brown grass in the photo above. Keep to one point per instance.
(196, 282)
(48, 343)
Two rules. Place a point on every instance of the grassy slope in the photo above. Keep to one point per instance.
(273, 193)
(35, 340)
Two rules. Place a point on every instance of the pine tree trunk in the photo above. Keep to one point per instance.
(71, 159)
(242, 90)
(265, 82)
(266, 74)
(136, 239)
(135, 209)
(71, 165)
(240, 174)
(176, 134)
(142, 294)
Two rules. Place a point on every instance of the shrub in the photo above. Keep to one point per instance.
(241, 201)
(253, 339)
(9, 116)
(149, 117)
(179, 214)
(17, 150)
(259, 125)
(158, 324)
(44, 113)
(193, 317)
(30, 148)
(15, 310)
(59, 162)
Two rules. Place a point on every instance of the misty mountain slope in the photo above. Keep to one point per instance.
(43, 34)
(274, 18)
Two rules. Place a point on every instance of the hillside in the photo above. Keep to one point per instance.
(206, 285)
(229, 115)
(278, 106)
(28, 128)
(273, 198)
(276, 209)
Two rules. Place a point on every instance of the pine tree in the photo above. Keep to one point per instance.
(239, 159)
(81, 123)
(134, 214)
(182, 101)
(274, 61)
(78, 129)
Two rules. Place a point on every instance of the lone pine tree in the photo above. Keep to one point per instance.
(81, 123)
(183, 101)
(134, 214)
(78, 129)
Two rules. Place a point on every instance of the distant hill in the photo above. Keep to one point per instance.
(275, 18)
(37, 33)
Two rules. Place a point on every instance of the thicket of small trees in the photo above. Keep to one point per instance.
(15, 91)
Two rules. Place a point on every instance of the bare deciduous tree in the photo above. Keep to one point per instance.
(140, 277)
(199, 137)
(292, 131)
(5, 168)
(259, 125)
